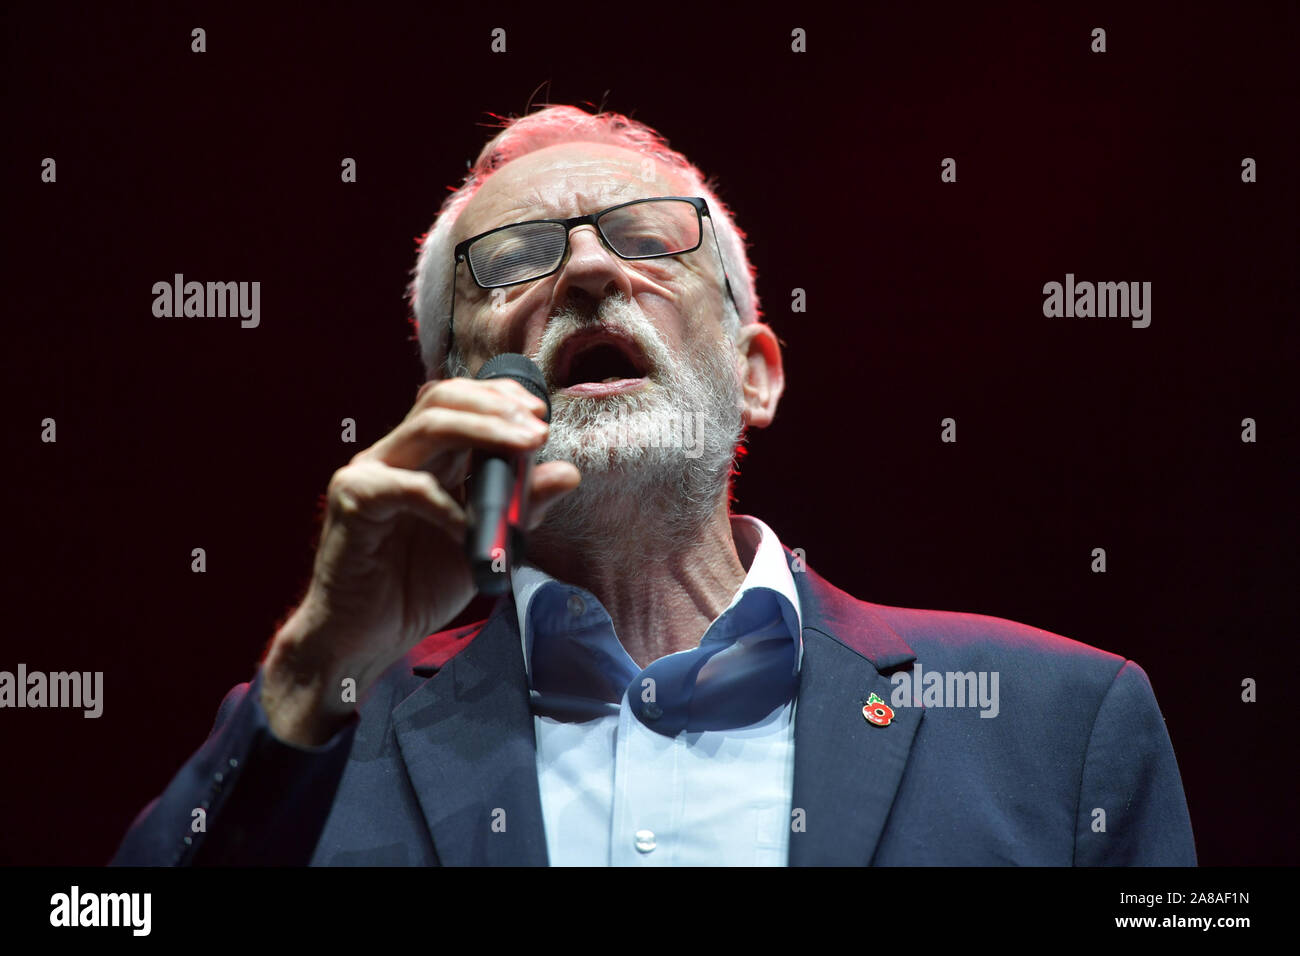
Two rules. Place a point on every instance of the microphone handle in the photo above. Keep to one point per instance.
(494, 540)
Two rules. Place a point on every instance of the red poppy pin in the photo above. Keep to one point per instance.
(877, 712)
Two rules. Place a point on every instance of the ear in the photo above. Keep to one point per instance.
(763, 377)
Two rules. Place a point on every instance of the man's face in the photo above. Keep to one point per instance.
(682, 296)
(644, 379)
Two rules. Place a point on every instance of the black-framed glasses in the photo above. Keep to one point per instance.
(641, 229)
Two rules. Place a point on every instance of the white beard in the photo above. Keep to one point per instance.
(656, 462)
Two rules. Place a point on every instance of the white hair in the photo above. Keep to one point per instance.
(430, 290)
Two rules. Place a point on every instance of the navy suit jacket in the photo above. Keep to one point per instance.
(1076, 768)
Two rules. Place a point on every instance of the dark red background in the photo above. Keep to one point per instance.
(924, 301)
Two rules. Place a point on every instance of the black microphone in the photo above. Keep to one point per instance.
(497, 488)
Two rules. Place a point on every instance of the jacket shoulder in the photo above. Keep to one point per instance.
(958, 629)
(958, 640)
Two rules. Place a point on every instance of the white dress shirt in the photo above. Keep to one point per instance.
(689, 762)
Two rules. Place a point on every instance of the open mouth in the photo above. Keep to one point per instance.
(599, 357)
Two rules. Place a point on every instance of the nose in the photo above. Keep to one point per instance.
(591, 274)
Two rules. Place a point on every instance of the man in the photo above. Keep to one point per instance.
(663, 684)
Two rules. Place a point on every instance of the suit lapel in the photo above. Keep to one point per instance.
(466, 737)
(846, 770)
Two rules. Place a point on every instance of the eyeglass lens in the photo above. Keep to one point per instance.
(528, 250)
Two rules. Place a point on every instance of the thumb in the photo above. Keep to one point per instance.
(551, 482)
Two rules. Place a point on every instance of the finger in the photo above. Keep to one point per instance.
(415, 442)
(510, 387)
(450, 471)
(376, 493)
(496, 396)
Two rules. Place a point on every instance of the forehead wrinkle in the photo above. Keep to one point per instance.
(525, 205)
(519, 206)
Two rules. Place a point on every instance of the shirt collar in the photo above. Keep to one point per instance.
(767, 569)
(576, 663)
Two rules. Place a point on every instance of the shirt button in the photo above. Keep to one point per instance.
(652, 711)
(576, 605)
(645, 840)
